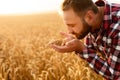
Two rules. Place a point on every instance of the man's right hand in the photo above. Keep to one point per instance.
(71, 44)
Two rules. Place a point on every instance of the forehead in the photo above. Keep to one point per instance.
(70, 16)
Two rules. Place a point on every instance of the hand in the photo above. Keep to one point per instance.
(67, 36)
(71, 44)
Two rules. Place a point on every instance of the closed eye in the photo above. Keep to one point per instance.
(71, 25)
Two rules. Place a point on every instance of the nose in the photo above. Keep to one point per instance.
(70, 30)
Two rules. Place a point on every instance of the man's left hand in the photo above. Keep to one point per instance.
(70, 46)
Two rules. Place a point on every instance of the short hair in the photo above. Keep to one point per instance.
(79, 6)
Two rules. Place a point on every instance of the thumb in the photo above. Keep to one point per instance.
(67, 35)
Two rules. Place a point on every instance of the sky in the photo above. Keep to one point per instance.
(27, 6)
(30, 6)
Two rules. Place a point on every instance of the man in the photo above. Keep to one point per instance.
(100, 24)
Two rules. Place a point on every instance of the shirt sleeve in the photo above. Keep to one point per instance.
(109, 68)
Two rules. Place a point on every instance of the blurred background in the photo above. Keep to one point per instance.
(30, 6)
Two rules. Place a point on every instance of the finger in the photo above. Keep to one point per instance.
(65, 34)
(62, 49)
(68, 36)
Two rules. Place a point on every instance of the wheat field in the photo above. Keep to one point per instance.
(25, 55)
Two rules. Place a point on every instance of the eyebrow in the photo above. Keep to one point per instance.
(70, 24)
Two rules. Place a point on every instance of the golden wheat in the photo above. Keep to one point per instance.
(24, 54)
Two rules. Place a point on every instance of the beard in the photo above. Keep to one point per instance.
(86, 29)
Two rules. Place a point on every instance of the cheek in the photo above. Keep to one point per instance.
(79, 29)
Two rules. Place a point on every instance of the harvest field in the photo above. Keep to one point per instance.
(25, 55)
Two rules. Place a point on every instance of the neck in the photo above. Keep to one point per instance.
(99, 18)
(101, 15)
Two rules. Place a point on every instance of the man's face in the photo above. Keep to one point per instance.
(76, 25)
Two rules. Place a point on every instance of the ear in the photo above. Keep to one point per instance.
(89, 17)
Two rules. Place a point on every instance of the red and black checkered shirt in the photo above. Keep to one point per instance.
(105, 41)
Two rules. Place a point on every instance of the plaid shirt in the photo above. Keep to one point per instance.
(105, 41)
